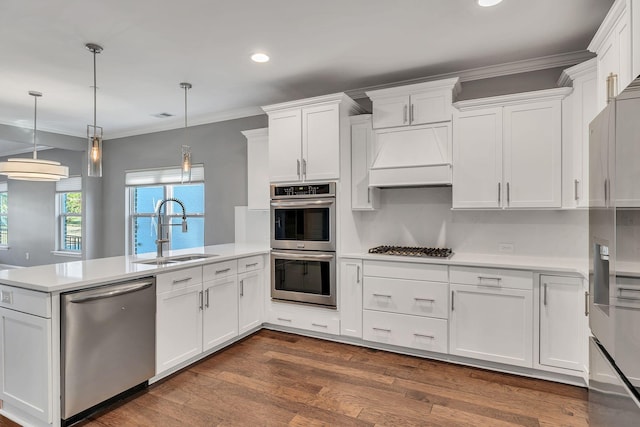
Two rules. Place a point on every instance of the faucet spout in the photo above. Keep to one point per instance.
(160, 241)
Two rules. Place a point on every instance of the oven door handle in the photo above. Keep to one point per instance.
(298, 255)
(302, 204)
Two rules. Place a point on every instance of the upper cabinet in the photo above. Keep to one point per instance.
(257, 168)
(415, 104)
(363, 197)
(305, 135)
(507, 151)
(578, 110)
(612, 43)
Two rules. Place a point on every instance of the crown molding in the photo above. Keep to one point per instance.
(256, 133)
(609, 22)
(580, 70)
(517, 98)
(505, 69)
(361, 118)
(452, 84)
(44, 128)
(179, 122)
(332, 98)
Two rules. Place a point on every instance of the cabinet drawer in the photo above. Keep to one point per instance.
(514, 279)
(250, 263)
(406, 296)
(179, 279)
(403, 330)
(26, 301)
(220, 269)
(308, 318)
(406, 270)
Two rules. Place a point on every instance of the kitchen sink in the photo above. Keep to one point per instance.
(174, 259)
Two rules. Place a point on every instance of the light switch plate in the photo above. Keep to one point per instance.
(6, 297)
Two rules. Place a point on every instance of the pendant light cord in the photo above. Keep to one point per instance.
(95, 88)
(186, 88)
(35, 121)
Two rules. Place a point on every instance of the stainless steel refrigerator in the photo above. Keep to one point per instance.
(614, 262)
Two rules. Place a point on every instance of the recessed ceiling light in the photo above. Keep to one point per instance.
(487, 3)
(260, 57)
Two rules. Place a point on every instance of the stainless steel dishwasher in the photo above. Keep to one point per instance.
(108, 344)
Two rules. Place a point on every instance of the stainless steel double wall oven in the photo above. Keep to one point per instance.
(303, 243)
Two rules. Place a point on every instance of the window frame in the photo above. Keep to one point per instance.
(61, 221)
(4, 190)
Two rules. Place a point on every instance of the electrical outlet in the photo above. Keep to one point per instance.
(5, 296)
(505, 248)
(26, 255)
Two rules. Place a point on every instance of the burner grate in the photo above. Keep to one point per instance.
(412, 251)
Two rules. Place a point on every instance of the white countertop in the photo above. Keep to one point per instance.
(540, 264)
(83, 274)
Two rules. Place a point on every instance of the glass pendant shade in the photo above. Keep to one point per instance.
(186, 163)
(34, 169)
(94, 151)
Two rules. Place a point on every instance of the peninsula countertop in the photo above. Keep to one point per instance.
(68, 276)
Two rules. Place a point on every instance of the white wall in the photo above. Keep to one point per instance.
(423, 217)
(628, 235)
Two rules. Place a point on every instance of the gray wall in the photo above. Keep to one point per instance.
(32, 222)
(219, 146)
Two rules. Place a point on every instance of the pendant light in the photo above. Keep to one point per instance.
(185, 157)
(33, 169)
(94, 133)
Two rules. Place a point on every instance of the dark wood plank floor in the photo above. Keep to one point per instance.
(273, 378)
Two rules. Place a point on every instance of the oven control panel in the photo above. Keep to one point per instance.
(306, 190)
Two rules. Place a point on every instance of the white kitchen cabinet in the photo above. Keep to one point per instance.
(350, 303)
(26, 370)
(415, 104)
(178, 326)
(563, 328)
(257, 168)
(250, 294)
(612, 44)
(363, 197)
(514, 141)
(305, 135)
(491, 315)
(422, 333)
(578, 110)
(304, 317)
(627, 190)
(220, 312)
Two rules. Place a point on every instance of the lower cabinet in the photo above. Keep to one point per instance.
(306, 317)
(250, 299)
(26, 363)
(423, 333)
(350, 303)
(491, 315)
(220, 312)
(563, 323)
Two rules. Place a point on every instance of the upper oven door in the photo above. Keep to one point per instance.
(304, 224)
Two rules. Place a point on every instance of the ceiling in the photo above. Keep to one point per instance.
(316, 47)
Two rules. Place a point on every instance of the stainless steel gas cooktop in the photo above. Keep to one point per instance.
(412, 251)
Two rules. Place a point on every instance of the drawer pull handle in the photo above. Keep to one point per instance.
(544, 297)
(497, 279)
(200, 305)
(283, 319)
(250, 265)
(319, 325)
(381, 329)
(224, 270)
(586, 303)
(186, 279)
(382, 295)
(424, 336)
(621, 290)
(206, 294)
(425, 299)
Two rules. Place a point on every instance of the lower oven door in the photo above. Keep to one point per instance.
(304, 276)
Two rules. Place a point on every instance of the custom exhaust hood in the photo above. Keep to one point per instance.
(416, 156)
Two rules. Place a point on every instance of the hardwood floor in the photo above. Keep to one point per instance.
(273, 378)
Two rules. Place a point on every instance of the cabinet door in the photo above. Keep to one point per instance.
(477, 159)
(362, 196)
(627, 146)
(492, 323)
(321, 142)
(250, 303)
(608, 63)
(25, 363)
(178, 326)
(350, 304)
(220, 314)
(563, 332)
(430, 107)
(285, 145)
(533, 155)
(390, 112)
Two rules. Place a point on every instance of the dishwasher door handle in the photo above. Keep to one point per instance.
(125, 289)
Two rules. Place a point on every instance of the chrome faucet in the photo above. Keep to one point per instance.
(160, 241)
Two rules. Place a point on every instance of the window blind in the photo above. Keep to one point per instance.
(68, 185)
(3, 186)
(171, 175)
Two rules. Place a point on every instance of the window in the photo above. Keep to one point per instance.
(146, 190)
(69, 209)
(4, 211)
